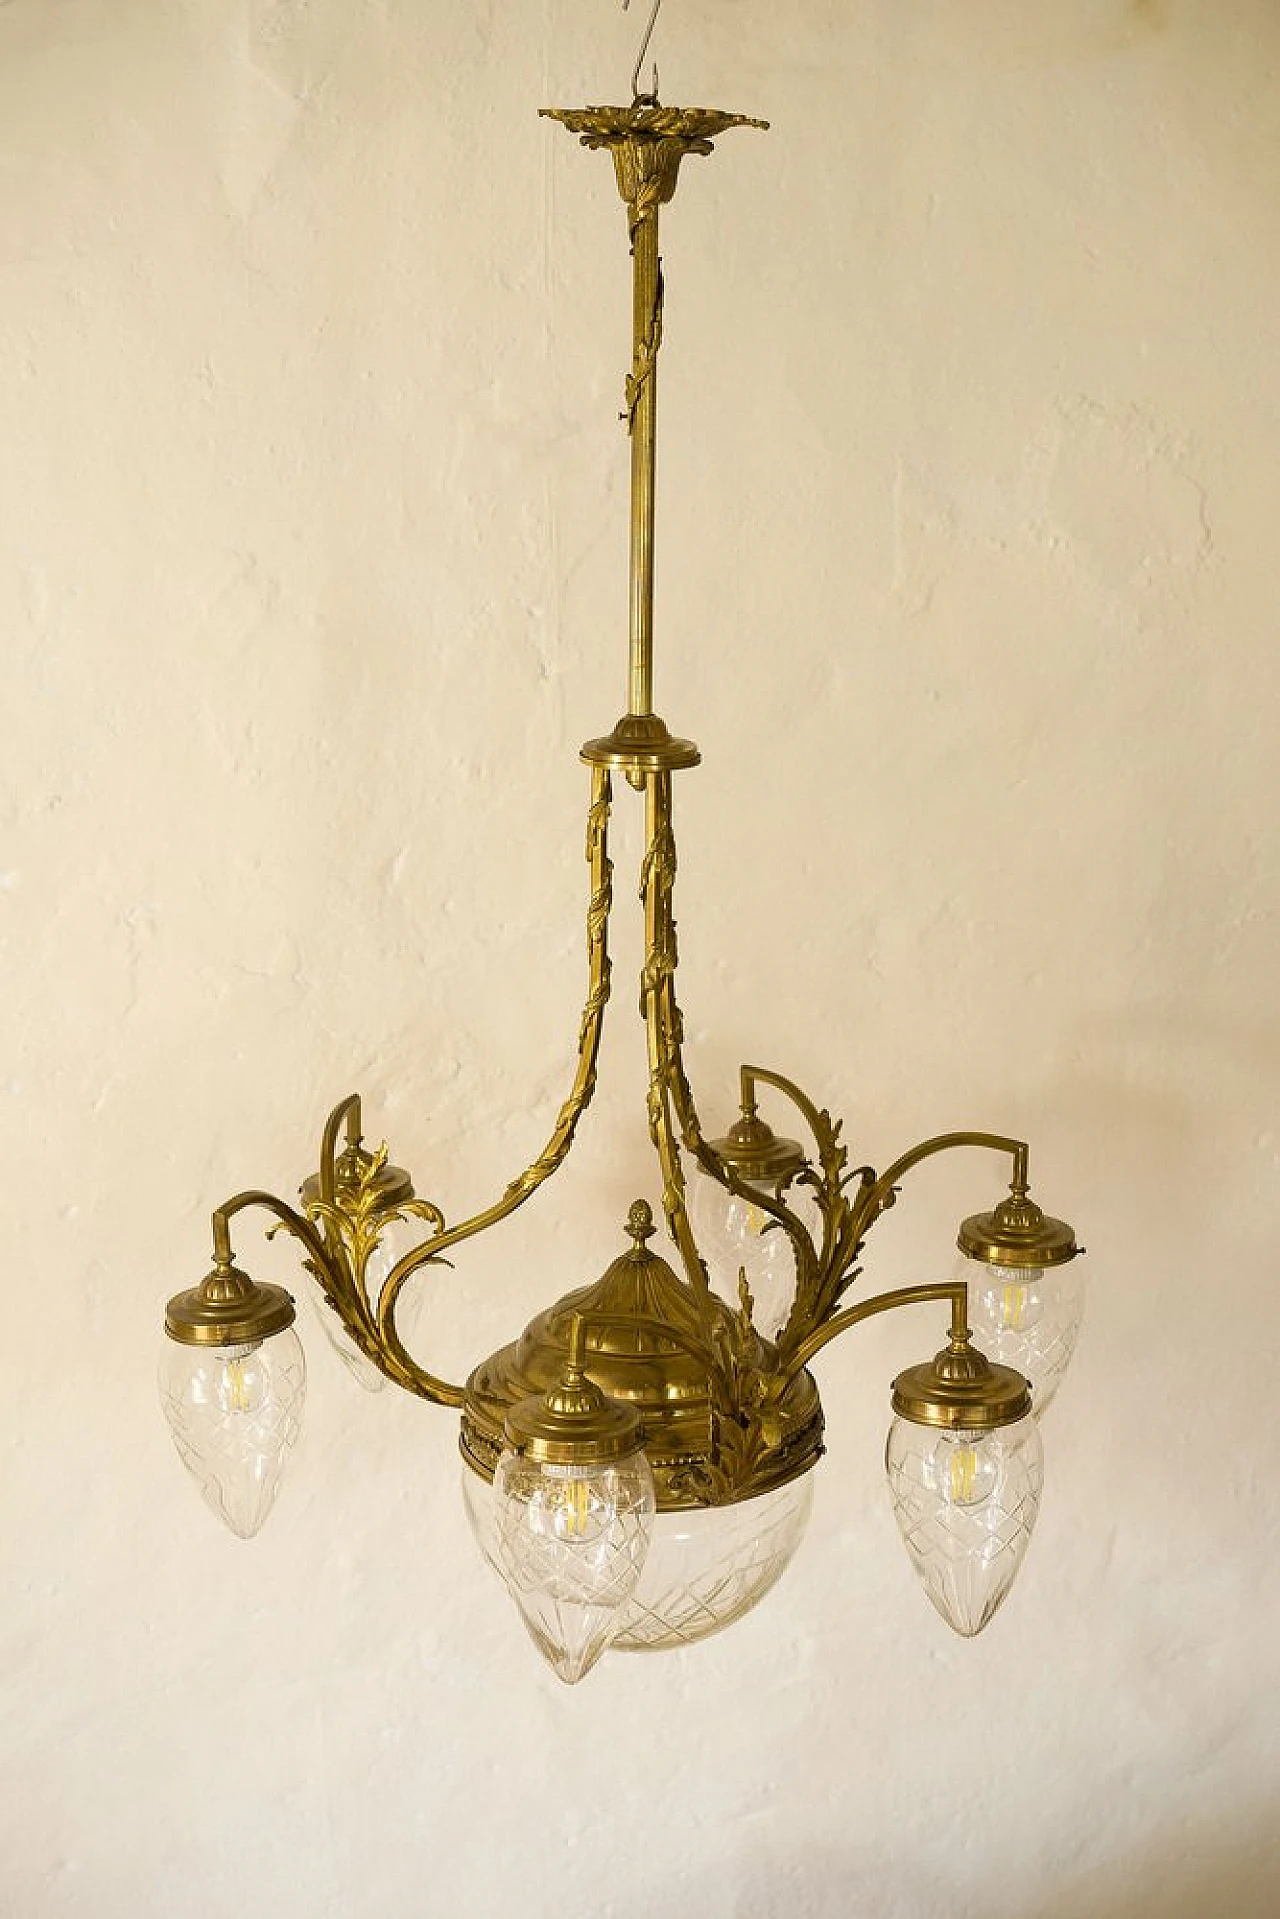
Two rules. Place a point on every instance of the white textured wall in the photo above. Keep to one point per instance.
(312, 526)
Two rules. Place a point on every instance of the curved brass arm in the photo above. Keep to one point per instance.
(880, 1194)
(294, 1222)
(584, 1083)
(954, 1290)
(750, 1075)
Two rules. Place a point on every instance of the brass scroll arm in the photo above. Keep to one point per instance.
(406, 1371)
(954, 1290)
(879, 1194)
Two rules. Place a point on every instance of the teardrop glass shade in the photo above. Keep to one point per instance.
(966, 1505)
(704, 1568)
(397, 1239)
(734, 1235)
(1028, 1319)
(571, 1546)
(234, 1413)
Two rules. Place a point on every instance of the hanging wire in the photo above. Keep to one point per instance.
(639, 99)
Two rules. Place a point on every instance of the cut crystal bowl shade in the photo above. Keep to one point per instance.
(234, 1413)
(704, 1568)
(966, 1504)
(1027, 1319)
(571, 1542)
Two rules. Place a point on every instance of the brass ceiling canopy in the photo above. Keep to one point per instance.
(668, 1353)
(961, 1390)
(228, 1308)
(1017, 1233)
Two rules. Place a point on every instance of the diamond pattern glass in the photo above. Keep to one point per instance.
(966, 1505)
(733, 1235)
(571, 1542)
(1027, 1319)
(704, 1569)
(707, 1568)
(234, 1413)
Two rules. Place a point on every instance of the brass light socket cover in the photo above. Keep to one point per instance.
(228, 1308)
(1017, 1233)
(754, 1151)
(392, 1185)
(960, 1390)
(573, 1425)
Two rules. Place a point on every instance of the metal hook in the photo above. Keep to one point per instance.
(638, 98)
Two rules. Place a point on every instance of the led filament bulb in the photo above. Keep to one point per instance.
(1012, 1300)
(240, 1384)
(964, 1468)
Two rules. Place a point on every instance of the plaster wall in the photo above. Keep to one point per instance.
(312, 552)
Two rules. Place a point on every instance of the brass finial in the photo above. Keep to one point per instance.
(640, 1223)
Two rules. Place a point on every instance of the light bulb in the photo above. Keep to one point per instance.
(964, 1468)
(1027, 1318)
(571, 1546)
(239, 1384)
(966, 1504)
(234, 1413)
(1012, 1299)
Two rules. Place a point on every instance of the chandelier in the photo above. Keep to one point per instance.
(637, 1464)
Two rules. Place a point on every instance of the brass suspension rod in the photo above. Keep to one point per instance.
(642, 420)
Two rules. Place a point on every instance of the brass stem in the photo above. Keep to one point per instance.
(642, 415)
(348, 1109)
(752, 1074)
(954, 1290)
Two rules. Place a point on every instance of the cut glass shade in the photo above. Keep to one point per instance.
(398, 1237)
(571, 1542)
(234, 1413)
(966, 1504)
(734, 1234)
(1028, 1319)
(704, 1568)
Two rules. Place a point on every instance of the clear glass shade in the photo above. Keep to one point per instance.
(966, 1504)
(1027, 1318)
(735, 1235)
(703, 1570)
(397, 1239)
(571, 1542)
(234, 1413)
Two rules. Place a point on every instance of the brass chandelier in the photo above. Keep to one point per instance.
(637, 1463)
